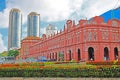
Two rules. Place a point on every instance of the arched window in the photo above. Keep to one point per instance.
(89, 36)
(114, 23)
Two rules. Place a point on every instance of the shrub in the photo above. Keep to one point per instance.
(61, 62)
(103, 62)
(62, 72)
(37, 64)
(115, 62)
(72, 61)
(48, 63)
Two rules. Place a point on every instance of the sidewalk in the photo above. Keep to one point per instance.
(20, 78)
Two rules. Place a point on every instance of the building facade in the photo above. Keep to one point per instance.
(33, 26)
(91, 39)
(51, 30)
(26, 43)
(15, 25)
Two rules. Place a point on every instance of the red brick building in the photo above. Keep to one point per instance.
(25, 44)
(88, 40)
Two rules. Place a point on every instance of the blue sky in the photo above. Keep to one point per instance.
(112, 14)
(2, 5)
(55, 12)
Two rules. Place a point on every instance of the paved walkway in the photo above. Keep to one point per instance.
(59, 78)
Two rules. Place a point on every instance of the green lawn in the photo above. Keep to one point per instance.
(75, 65)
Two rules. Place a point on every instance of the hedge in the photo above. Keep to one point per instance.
(61, 72)
(103, 62)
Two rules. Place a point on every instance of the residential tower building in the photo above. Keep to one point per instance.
(33, 26)
(15, 24)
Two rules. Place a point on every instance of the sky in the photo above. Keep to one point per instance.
(54, 12)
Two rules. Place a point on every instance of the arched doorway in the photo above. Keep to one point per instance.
(52, 55)
(56, 56)
(90, 53)
(47, 57)
(116, 53)
(61, 56)
(70, 55)
(79, 57)
(106, 54)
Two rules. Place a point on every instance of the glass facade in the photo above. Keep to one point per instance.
(33, 28)
(15, 24)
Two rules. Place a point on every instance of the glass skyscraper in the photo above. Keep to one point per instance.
(33, 26)
(15, 26)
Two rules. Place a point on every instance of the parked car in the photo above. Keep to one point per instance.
(41, 60)
(9, 59)
(30, 60)
(52, 60)
(1, 61)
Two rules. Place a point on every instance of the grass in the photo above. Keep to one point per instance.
(75, 65)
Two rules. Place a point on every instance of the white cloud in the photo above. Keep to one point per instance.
(43, 30)
(92, 8)
(56, 10)
(4, 18)
(2, 46)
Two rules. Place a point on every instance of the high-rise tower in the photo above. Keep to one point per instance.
(15, 24)
(51, 30)
(33, 26)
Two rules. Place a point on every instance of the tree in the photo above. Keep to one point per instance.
(13, 53)
(0, 54)
(4, 54)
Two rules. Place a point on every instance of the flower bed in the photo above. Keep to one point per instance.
(103, 62)
(48, 70)
(61, 72)
(21, 65)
